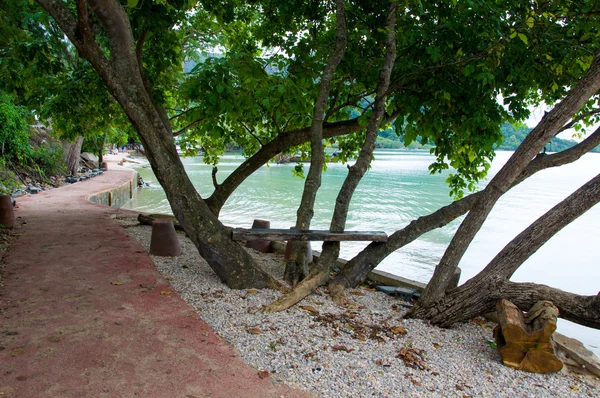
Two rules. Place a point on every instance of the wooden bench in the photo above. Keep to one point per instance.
(307, 234)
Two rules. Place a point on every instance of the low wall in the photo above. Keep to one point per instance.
(117, 196)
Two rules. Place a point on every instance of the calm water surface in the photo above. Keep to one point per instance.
(396, 190)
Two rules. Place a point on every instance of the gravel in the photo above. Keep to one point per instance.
(367, 351)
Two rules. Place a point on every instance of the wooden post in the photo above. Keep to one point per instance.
(7, 214)
(164, 241)
(525, 343)
(263, 246)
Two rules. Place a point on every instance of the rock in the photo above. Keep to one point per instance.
(90, 157)
(34, 190)
(576, 351)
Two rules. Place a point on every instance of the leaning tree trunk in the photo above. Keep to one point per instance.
(297, 268)
(320, 274)
(479, 295)
(122, 74)
(72, 153)
(533, 143)
(357, 268)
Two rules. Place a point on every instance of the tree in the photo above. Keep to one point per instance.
(56, 85)
(104, 35)
(454, 58)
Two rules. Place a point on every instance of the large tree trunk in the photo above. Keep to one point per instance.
(479, 294)
(533, 143)
(72, 153)
(123, 76)
(357, 269)
(297, 269)
(320, 273)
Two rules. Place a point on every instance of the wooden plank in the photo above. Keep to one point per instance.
(310, 234)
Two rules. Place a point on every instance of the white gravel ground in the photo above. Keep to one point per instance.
(334, 352)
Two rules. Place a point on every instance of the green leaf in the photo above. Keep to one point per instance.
(132, 3)
(523, 38)
(530, 22)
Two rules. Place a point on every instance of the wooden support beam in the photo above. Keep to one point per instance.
(310, 234)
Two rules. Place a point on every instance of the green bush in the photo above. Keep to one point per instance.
(8, 179)
(14, 130)
(47, 160)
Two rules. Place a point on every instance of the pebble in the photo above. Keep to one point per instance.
(296, 346)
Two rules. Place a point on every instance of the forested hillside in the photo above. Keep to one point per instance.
(512, 138)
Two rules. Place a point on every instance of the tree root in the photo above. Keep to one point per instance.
(339, 297)
(299, 292)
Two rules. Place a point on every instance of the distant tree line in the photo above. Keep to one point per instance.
(513, 136)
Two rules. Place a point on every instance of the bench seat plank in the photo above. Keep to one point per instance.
(308, 234)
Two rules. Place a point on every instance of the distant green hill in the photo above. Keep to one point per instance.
(514, 136)
(512, 139)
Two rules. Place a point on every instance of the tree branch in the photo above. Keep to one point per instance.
(189, 126)
(358, 267)
(578, 119)
(214, 177)
(251, 133)
(505, 178)
(584, 310)
(274, 147)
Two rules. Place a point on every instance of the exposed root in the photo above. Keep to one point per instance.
(339, 297)
(299, 292)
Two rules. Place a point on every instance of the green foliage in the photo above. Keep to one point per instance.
(45, 160)
(253, 68)
(8, 179)
(14, 130)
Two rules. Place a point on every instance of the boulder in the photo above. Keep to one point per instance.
(90, 157)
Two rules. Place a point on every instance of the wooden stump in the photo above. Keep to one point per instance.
(7, 215)
(164, 241)
(525, 342)
(263, 246)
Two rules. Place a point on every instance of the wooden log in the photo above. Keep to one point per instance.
(525, 342)
(301, 234)
(148, 219)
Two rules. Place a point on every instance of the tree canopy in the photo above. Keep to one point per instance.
(260, 69)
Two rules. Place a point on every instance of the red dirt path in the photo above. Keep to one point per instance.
(81, 314)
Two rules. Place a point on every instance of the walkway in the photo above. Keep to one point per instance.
(82, 315)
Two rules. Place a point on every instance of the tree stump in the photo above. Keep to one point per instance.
(164, 241)
(525, 342)
(7, 215)
(263, 246)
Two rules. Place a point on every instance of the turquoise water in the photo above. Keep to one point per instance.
(397, 189)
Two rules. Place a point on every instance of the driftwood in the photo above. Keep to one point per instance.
(147, 219)
(301, 234)
(525, 342)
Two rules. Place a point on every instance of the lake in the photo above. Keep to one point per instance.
(397, 189)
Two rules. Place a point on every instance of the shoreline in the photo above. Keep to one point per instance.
(415, 261)
(316, 346)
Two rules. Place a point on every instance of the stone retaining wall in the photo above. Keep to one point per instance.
(117, 196)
